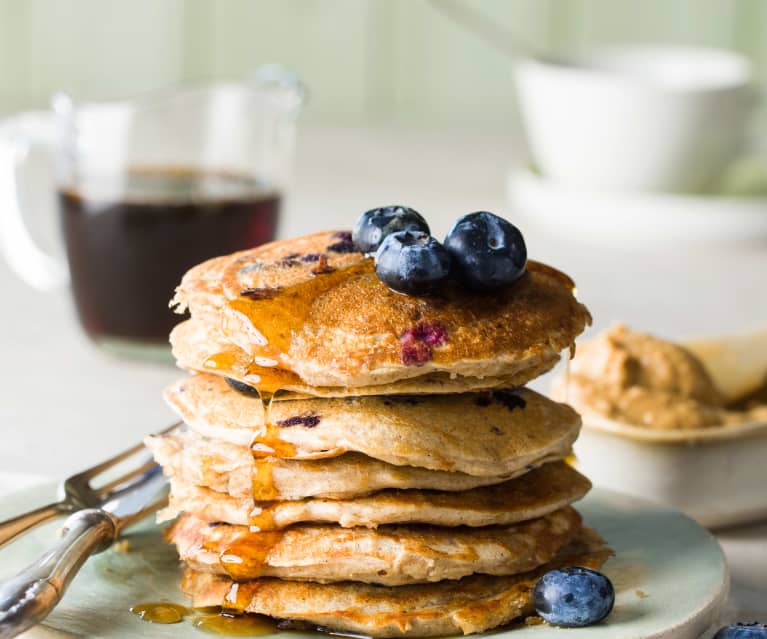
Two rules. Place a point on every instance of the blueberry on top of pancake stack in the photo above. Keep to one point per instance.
(360, 454)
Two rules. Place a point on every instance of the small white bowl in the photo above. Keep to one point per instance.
(716, 475)
(636, 118)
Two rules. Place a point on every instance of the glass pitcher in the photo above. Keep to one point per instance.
(146, 188)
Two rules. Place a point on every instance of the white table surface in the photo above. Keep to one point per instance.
(64, 404)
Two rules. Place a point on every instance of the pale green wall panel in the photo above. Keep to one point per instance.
(90, 47)
(14, 70)
(584, 23)
(693, 22)
(361, 59)
(324, 41)
(381, 78)
(441, 69)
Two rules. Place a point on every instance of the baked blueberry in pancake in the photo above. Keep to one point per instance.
(342, 327)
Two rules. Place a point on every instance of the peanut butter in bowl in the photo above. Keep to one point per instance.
(636, 379)
(657, 425)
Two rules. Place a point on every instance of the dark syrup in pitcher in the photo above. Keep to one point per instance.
(129, 244)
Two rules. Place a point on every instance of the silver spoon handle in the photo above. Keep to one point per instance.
(486, 29)
(27, 598)
(15, 526)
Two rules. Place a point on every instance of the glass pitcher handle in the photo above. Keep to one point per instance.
(18, 136)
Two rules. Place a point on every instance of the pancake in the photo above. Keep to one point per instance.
(314, 307)
(473, 604)
(200, 347)
(231, 469)
(390, 555)
(486, 435)
(532, 495)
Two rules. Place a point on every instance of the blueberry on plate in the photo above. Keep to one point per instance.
(374, 225)
(753, 630)
(411, 262)
(488, 251)
(573, 597)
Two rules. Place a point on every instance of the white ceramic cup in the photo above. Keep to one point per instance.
(636, 118)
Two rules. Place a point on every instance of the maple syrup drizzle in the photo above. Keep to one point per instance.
(270, 379)
(264, 446)
(231, 360)
(239, 596)
(262, 517)
(262, 480)
(570, 459)
(245, 558)
(279, 316)
(269, 443)
(234, 362)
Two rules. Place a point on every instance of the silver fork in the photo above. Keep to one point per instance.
(27, 598)
(79, 493)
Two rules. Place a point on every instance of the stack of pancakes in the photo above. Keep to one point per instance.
(366, 461)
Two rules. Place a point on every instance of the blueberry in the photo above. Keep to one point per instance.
(242, 387)
(411, 262)
(488, 251)
(573, 596)
(374, 225)
(753, 630)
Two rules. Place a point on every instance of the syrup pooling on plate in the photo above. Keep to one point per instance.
(215, 621)
(161, 612)
(235, 625)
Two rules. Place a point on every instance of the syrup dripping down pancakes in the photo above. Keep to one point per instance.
(367, 461)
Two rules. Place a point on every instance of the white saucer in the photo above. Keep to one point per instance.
(637, 218)
(670, 577)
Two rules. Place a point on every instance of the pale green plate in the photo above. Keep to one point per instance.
(669, 573)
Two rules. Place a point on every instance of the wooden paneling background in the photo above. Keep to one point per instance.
(361, 59)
